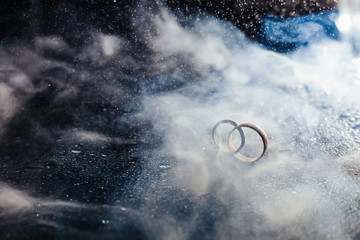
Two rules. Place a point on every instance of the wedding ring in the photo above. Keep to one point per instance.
(217, 141)
(236, 152)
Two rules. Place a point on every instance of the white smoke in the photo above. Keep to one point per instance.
(307, 102)
(306, 185)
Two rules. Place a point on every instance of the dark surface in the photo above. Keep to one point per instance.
(68, 92)
(66, 17)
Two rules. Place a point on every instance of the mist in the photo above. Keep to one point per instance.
(307, 102)
(107, 143)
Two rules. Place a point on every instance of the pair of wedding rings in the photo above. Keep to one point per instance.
(230, 145)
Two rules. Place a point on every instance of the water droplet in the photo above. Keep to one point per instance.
(164, 166)
(104, 221)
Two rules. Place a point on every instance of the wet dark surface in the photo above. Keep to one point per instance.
(78, 160)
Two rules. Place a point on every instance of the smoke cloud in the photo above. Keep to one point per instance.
(305, 101)
(109, 142)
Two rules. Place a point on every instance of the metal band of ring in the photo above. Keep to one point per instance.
(217, 141)
(236, 152)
